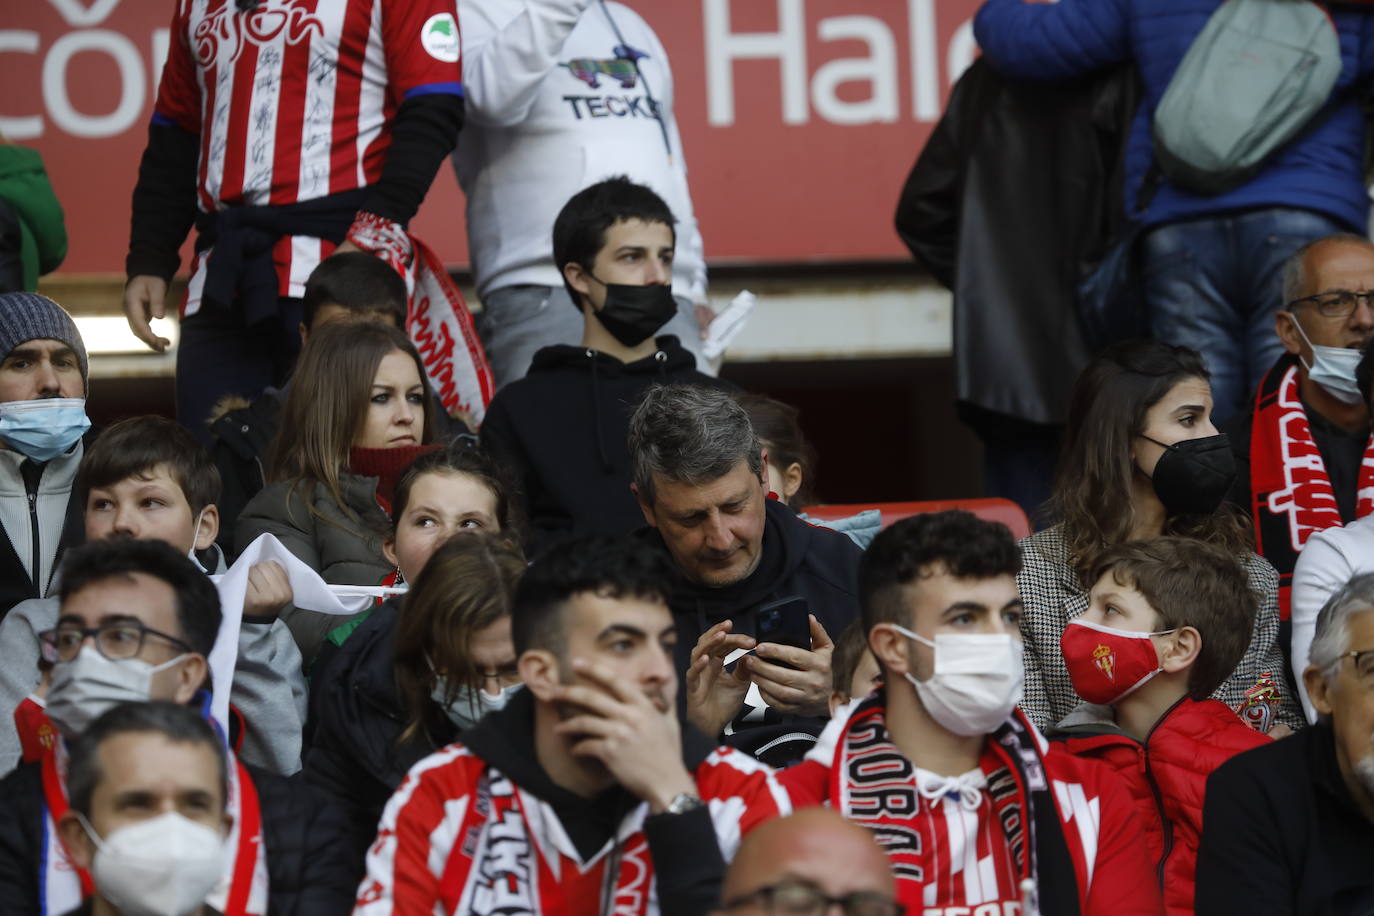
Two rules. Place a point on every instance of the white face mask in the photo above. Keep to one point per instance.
(195, 534)
(976, 683)
(89, 684)
(471, 703)
(164, 866)
(1333, 368)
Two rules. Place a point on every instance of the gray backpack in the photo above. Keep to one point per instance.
(1254, 77)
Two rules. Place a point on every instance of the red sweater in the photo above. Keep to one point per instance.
(1167, 777)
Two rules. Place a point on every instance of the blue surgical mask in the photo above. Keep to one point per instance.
(45, 428)
(1333, 368)
(470, 704)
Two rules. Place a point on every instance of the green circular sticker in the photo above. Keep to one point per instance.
(440, 37)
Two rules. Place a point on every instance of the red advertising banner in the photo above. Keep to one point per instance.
(800, 118)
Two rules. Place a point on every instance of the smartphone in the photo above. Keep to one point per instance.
(785, 622)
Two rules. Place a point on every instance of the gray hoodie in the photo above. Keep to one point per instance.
(269, 689)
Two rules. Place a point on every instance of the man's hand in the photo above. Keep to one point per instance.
(145, 298)
(637, 742)
(804, 689)
(269, 590)
(704, 315)
(715, 695)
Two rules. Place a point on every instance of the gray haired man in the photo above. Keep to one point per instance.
(1289, 827)
(747, 567)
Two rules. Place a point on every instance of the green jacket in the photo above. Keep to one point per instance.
(43, 234)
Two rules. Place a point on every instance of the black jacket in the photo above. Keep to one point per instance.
(799, 560)
(355, 758)
(242, 447)
(1016, 190)
(688, 866)
(295, 826)
(562, 430)
(1281, 834)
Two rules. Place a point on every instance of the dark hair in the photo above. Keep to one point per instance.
(778, 426)
(462, 456)
(1190, 584)
(691, 434)
(962, 544)
(357, 281)
(1364, 371)
(850, 646)
(579, 232)
(612, 567)
(178, 724)
(327, 404)
(1092, 491)
(136, 446)
(197, 601)
(465, 587)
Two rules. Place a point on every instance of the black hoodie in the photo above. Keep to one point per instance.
(798, 560)
(562, 432)
(688, 866)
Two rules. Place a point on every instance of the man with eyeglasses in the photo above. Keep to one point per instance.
(1289, 827)
(138, 622)
(1304, 458)
(805, 863)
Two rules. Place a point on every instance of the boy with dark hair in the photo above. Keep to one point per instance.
(1167, 622)
(583, 794)
(348, 286)
(976, 811)
(563, 426)
(146, 478)
(136, 624)
(853, 668)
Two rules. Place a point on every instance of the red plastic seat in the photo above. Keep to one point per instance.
(995, 510)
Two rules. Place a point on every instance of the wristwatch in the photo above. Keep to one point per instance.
(683, 803)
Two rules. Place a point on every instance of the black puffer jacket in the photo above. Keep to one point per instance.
(356, 759)
(243, 443)
(799, 560)
(304, 878)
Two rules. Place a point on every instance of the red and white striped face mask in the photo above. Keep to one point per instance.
(1106, 664)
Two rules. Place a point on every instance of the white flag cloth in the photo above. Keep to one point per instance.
(309, 592)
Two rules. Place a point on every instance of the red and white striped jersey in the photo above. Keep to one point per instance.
(460, 837)
(293, 99)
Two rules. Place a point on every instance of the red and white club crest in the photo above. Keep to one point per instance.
(1105, 660)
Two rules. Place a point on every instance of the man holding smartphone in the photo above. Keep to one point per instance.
(583, 795)
(745, 565)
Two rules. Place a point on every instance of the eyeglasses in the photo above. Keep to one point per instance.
(504, 675)
(1364, 666)
(1337, 303)
(796, 898)
(114, 640)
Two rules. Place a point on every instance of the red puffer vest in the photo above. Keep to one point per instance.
(1167, 777)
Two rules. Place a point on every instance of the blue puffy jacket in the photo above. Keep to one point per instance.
(1321, 170)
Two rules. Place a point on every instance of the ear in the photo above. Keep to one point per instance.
(891, 649)
(836, 700)
(1318, 690)
(791, 481)
(304, 332)
(539, 670)
(191, 674)
(1287, 333)
(77, 842)
(209, 527)
(577, 278)
(389, 551)
(646, 507)
(1180, 652)
(763, 469)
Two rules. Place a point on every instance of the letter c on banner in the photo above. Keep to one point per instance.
(20, 127)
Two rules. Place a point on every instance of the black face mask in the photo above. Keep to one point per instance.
(1193, 476)
(633, 314)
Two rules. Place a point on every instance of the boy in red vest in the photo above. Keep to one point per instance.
(1168, 620)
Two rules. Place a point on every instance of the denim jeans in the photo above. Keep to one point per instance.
(1214, 284)
(517, 321)
(219, 355)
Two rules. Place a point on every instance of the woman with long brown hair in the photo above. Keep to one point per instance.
(358, 412)
(413, 676)
(1141, 459)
